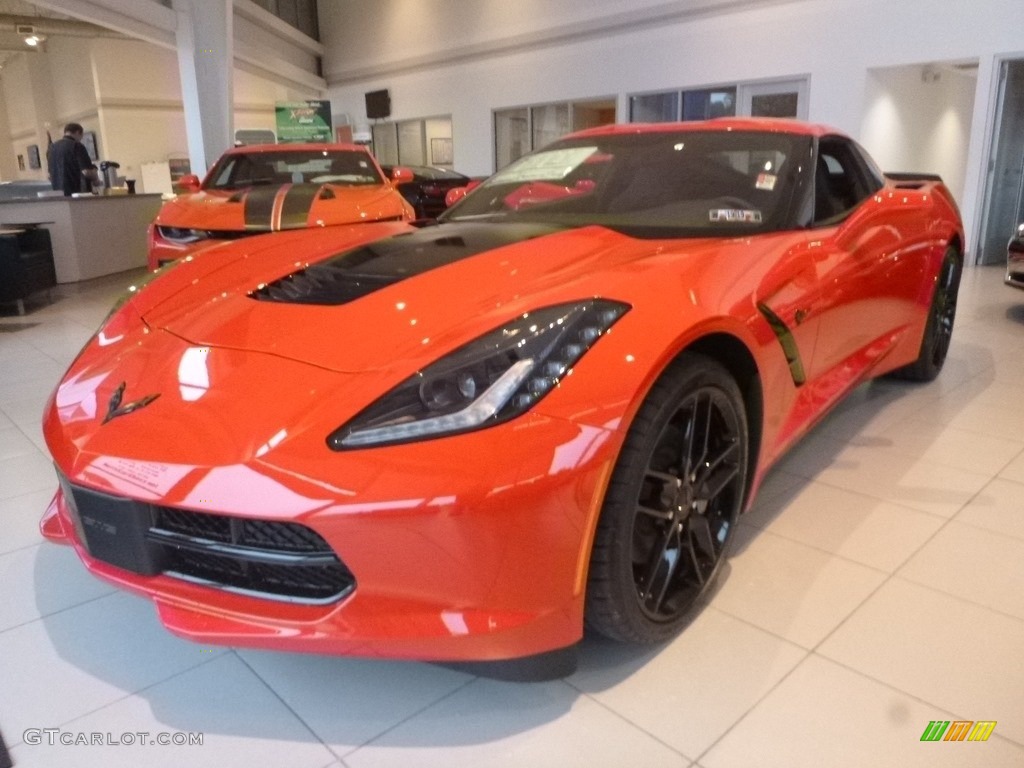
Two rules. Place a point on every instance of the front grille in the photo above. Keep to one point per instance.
(266, 558)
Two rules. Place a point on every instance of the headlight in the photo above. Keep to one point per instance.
(182, 235)
(492, 379)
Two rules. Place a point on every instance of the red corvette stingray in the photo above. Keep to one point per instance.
(268, 188)
(468, 441)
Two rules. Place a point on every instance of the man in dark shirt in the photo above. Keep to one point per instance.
(71, 169)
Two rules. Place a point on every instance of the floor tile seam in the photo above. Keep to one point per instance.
(980, 491)
(62, 360)
(620, 716)
(909, 452)
(31, 493)
(901, 504)
(369, 741)
(40, 489)
(17, 455)
(961, 599)
(816, 548)
(273, 692)
(417, 713)
(989, 435)
(974, 526)
(35, 447)
(968, 503)
(895, 571)
(948, 427)
(852, 612)
(113, 591)
(48, 379)
(127, 695)
(753, 625)
(863, 495)
(895, 689)
(22, 548)
(746, 713)
(15, 424)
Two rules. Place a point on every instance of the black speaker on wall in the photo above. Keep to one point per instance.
(378, 104)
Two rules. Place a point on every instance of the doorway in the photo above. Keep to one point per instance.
(1004, 186)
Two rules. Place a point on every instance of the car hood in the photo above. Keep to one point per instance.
(288, 206)
(354, 304)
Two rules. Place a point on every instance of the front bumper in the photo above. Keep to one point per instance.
(481, 557)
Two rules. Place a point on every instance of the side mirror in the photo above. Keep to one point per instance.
(457, 193)
(401, 175)
(188, 183)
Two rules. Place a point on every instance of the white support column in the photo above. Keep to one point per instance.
(205, 61)
(44, 105)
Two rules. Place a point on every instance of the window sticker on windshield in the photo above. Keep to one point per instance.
(766, 181)
(545, 166)
(734, 216)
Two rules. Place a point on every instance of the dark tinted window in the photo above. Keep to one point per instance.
(843, 179)
(661, 183)
(237, 170)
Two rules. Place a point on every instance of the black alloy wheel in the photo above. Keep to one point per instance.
(938, 332)
(671, 506)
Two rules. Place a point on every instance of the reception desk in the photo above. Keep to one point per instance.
(91, 236)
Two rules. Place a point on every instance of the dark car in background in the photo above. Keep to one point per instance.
(1015, 259)
(427, 190)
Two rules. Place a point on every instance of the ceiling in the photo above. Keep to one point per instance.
(14, 12)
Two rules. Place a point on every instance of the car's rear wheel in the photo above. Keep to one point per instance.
(938, 330)
(671, 506)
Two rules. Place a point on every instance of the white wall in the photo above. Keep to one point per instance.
(466, 59)
(918, 119)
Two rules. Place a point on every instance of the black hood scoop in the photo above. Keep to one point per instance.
(358, 272)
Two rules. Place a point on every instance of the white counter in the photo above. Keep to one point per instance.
(91, 236)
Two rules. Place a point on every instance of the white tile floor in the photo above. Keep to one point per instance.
(877, 585)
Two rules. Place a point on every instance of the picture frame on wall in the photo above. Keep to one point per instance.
(33, 157)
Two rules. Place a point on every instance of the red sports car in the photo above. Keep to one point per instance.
(467, 441)
(268, 188)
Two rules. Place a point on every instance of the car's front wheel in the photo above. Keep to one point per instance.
(670, 510)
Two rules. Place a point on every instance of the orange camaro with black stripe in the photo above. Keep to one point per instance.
(268, 188)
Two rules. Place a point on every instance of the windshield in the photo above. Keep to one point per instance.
(345, 167)
(661, 183)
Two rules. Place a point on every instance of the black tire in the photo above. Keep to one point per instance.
(671, 506)
(938, 330)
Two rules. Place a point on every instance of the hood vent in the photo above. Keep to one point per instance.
(353, 274)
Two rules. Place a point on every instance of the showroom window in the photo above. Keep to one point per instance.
(522, 129)
(414, 142)
(781, 98)
(669, 106)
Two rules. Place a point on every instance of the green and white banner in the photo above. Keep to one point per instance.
(299, 121)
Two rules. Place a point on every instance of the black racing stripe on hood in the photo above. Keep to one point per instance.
(358, 272)
(297, 202)
(259, 208)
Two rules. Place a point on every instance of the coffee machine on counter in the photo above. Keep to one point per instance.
(108, 170)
